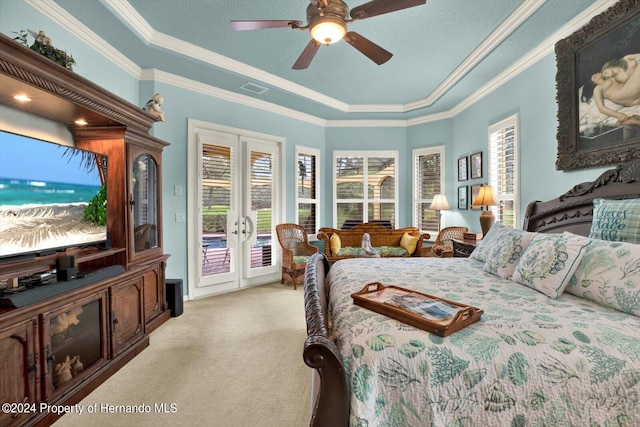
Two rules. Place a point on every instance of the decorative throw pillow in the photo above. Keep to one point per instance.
(505, 253)
(335, 243)
(548, 263)
(409, 242)
(609, 275)
(481, 252)
(616, 220)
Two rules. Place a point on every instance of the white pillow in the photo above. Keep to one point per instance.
(609, 275)
(549, 262)
(506, 252)
(485, 246)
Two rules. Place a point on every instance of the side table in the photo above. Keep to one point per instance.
(463, 248)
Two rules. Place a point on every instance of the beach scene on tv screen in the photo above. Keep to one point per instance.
(51, 196)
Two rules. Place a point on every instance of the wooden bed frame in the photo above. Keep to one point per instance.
(572, 212)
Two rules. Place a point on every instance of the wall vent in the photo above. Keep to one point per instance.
(254, 88)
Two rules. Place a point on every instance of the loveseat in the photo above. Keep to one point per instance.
(399, 242)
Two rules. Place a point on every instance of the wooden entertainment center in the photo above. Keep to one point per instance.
(57, 348)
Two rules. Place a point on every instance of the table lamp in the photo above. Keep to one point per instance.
(438, 204)
(486, 197)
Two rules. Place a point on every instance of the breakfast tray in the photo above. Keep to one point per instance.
(433, 314)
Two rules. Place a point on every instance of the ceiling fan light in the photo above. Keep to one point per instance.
(328, 31)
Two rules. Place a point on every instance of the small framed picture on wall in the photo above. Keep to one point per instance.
(476, 165)
(463, 201)
(463, 173)
(475, 190)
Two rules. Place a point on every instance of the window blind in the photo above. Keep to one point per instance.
(503, 169)
(428, 182)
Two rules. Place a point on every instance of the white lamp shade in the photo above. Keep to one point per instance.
(486, 197)
(328, 31)
(440, 203)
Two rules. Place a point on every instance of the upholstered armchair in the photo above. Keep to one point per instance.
(443, 245)
(295, 252)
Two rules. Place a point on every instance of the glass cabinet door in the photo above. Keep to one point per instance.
(75, 342)
(144, 203)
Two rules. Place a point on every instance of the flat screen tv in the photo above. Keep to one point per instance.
(52, 197)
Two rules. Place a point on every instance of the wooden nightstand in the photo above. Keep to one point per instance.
(463, 248)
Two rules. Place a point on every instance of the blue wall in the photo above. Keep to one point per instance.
(181, 105)
(531, 94)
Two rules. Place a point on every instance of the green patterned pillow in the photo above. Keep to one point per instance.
(505, 253)
(548, 263)
(609, 275)
(485, 246)
(616, 220)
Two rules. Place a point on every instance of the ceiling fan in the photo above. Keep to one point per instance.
(327, 23)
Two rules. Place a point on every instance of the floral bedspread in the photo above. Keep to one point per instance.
(530, 361)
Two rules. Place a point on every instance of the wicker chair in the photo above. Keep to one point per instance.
(295, 252)
(443, 246)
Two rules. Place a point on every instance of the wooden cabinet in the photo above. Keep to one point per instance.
(20, 372)
(156, 310)
(74, 343)
(59, 347)
(127, 316)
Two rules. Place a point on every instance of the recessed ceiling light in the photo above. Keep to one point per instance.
(22, 98)
(81, 122)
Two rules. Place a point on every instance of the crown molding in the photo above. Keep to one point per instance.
(56, 13)
(508, 26)
(127, 14)
(130, 16)
(543, 49)
(204, 89)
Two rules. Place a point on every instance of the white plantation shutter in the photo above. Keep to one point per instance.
(307, 172)
(504, 169)
(428, 180)
(216, 196)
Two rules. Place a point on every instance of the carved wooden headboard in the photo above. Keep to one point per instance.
(573, 211)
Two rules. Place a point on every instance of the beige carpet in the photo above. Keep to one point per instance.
(230, 360)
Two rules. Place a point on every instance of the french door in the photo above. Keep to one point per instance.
(238, 191)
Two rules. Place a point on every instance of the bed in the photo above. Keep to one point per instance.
(542, 353)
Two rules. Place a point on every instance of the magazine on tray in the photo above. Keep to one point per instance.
(426, 307)
(429, 308)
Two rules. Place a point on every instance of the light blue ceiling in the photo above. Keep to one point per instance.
(429, 43)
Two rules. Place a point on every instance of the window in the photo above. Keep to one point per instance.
(503, 169)
(428, 180)
(365, 187)
(307, 204)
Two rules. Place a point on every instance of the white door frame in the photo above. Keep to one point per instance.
(194, 250)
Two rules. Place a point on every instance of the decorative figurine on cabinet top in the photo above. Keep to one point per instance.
(153, 107)
(42, 45)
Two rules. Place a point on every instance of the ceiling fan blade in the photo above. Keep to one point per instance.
(307, 55)
(263, 24)
(367, 47)
(380, 7)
